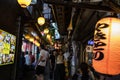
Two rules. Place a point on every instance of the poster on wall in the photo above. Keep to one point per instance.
(7, 47)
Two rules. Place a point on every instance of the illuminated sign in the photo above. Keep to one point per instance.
(7, 47)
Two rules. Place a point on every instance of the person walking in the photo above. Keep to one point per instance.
(52, 63)
(27, 61)
(60, 68)
(41, 63)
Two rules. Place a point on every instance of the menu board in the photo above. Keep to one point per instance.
(7, 47)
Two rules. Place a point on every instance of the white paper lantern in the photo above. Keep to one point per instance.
(41, 20)
(24, 3)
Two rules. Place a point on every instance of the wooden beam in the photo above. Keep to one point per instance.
(80, 5)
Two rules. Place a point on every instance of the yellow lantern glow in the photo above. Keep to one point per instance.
(24, 3)
(48, 36)
(46, 31)
(31, 39)
(37, 43)
(41, 20)
(37, 37)
(107, 46)
(27, 36)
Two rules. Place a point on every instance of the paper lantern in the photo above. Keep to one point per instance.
(31, 39)
(24, 3)
(107, 46)
(36, 43)
(46, 31)
(27, 36)
(48, 36)
(41, 20)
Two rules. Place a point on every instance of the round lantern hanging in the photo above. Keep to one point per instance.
(48, 36)
(31, 39)
(107, 46)
(46, 31)
(41, 20)
(27, 36)
(24, 3)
